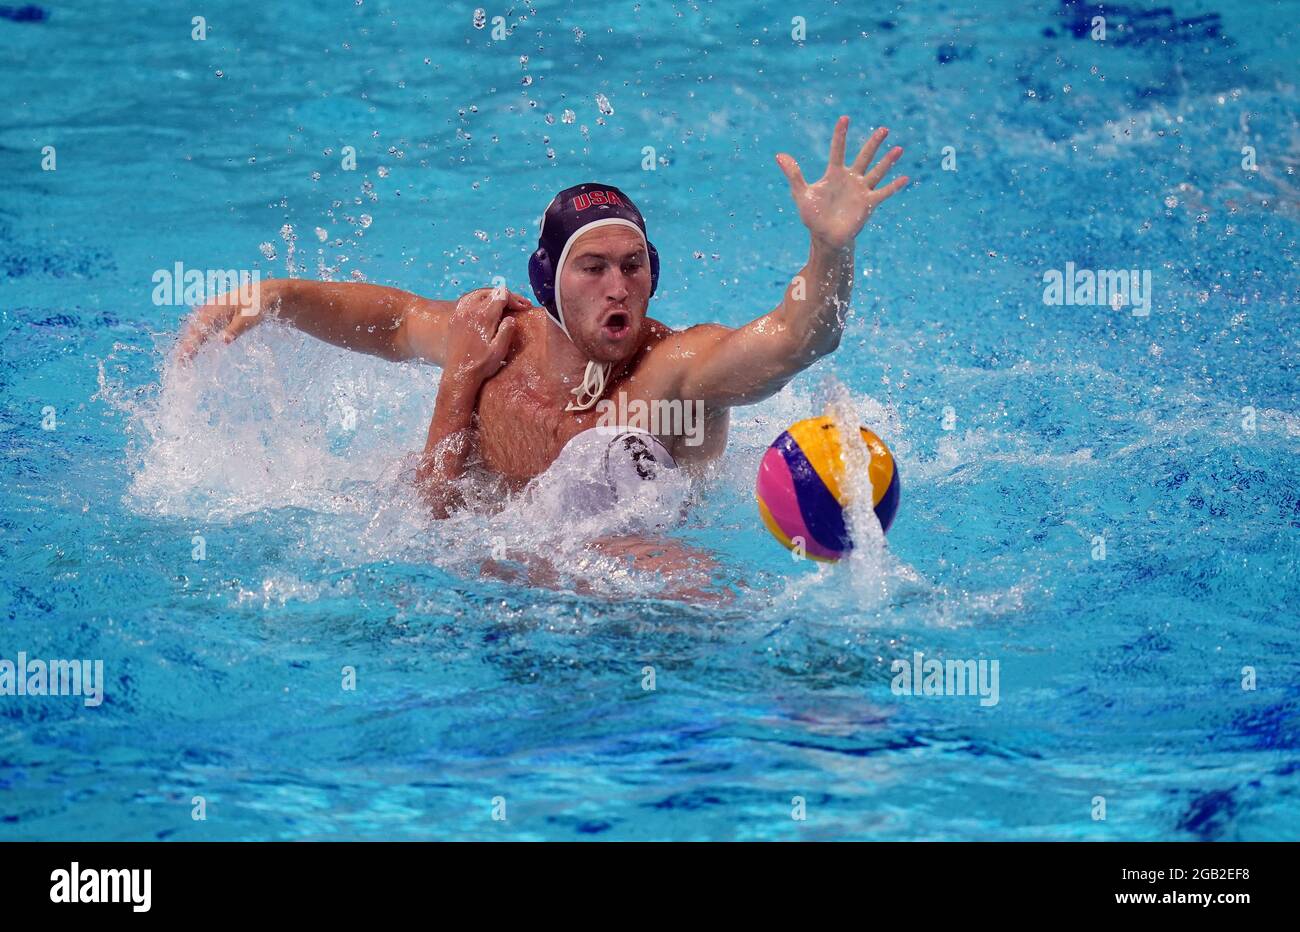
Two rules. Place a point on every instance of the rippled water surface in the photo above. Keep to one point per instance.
(1024, 432)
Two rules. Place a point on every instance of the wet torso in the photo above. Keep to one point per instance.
(521, 430)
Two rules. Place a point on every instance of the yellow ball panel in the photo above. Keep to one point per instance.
(820, 443)
(881, 469)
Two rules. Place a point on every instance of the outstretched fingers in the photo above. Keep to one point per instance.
(790, 168)
(837, 144)
(868, 150)
(892, 188)
(882, 167)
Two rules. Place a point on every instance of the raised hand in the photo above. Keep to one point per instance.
(838, 205)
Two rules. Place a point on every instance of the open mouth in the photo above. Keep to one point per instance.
(617, 325)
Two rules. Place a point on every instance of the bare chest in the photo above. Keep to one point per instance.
(521, 432)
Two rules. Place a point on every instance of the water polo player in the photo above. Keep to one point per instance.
(521, 384)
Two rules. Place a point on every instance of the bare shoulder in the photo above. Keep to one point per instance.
(669, 354)
(530, 323)
(682, 344)
(668, 346)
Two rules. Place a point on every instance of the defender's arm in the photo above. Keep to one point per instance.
(725, 367)
(734, 367)
(481, 334)
(385, 322)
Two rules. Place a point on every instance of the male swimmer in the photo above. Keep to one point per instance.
(521, 385)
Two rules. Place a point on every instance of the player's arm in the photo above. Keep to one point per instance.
(374, 319)
(481, 334)
(724, 366)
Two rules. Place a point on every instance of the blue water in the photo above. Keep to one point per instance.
(1120, 677)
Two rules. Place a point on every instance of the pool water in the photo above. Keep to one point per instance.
(1102, 502)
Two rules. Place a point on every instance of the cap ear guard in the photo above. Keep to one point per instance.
(654, 266)
(541, 275)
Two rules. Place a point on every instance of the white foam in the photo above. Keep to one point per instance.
(279, 420)
(276, 420)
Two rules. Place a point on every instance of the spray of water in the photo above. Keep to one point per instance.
(281, 421)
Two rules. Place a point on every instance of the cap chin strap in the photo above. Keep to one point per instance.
(592, 387)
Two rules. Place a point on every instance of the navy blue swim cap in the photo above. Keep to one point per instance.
(569, 213)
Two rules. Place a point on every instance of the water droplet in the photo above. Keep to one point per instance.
(605, 106)
(322, 235)
(480, 18)
(568, 116)
(383, 171)
(1171, 202)
(268, 250)
(366, 220)
(483, 236)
